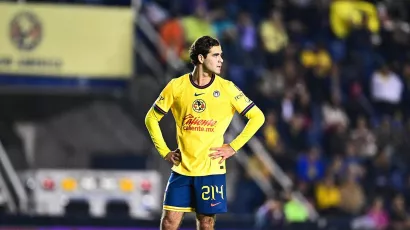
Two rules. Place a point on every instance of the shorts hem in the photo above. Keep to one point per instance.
(212, 213)
(178, 209)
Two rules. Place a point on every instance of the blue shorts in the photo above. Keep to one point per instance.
(200, 194)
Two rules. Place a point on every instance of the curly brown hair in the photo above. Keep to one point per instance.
(202, 46)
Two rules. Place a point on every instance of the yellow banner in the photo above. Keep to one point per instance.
(66, 40)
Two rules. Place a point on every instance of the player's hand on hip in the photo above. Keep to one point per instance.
(174, 157)
(223, 152)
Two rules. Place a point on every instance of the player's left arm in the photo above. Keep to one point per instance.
(246, 108)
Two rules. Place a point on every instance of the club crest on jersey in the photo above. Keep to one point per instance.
(216, 93)
(199, 105)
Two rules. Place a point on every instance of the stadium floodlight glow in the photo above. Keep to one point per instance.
(126, 185)
(88, 183)
(146, 185)
(69, 184)
(48, 184)
(31, 183)
(148, 201)
(108, 183)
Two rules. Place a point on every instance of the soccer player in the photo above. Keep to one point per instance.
(203, 105)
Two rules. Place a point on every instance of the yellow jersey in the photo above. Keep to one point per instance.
(202, 115)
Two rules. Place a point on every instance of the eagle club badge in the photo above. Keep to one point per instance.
(26, 31)
(199, 105)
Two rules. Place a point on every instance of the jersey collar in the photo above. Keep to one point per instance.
(204, 86)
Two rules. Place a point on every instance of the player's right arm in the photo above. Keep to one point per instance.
(160, 107)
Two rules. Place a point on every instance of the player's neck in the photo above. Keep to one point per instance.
(200, 77)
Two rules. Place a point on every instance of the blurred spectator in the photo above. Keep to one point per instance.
(335, 141)
(357, 104)
(284, 159)
(386, 89)
(270, 215)
(363, 139)
(406, 89)
(307, 190)
(376, 218)
(383, 176)
(292, 77)
(333, 113)
(336, 167)
(310, 167)
(352, 161)
(314, 66)
(243, 56)
(386, 135)
(351, 195)
(303, 106)
(295, 135)
(399, 216)
(255, 164)
(395, 41)
(248, 39)
(222, 25)
(155, 13)
(403, 147)
(287, 106)
(406, 190)
(346, 15)
(270, 131)
(272, 84)
(172, 35)
(335, 124)
(318, 58)
(274, 39)
(294, 210)
(379, 214)
(197, 25)
(318, 82)
(328, 196)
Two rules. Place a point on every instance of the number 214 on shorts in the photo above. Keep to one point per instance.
(202, 194)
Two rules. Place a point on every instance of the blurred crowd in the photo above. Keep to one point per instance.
(332, 77)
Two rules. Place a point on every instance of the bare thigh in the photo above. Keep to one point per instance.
(205, 222)
(171, 220)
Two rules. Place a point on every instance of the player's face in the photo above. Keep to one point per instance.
(213, 61)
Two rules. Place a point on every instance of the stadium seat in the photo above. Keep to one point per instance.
(77, 209)
(117, 209)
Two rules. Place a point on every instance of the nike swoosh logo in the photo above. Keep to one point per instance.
(198, 94)
(212, 205)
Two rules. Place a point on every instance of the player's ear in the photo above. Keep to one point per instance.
(201, 58)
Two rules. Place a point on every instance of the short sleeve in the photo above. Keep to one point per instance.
(239, 100)
(165, 99)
